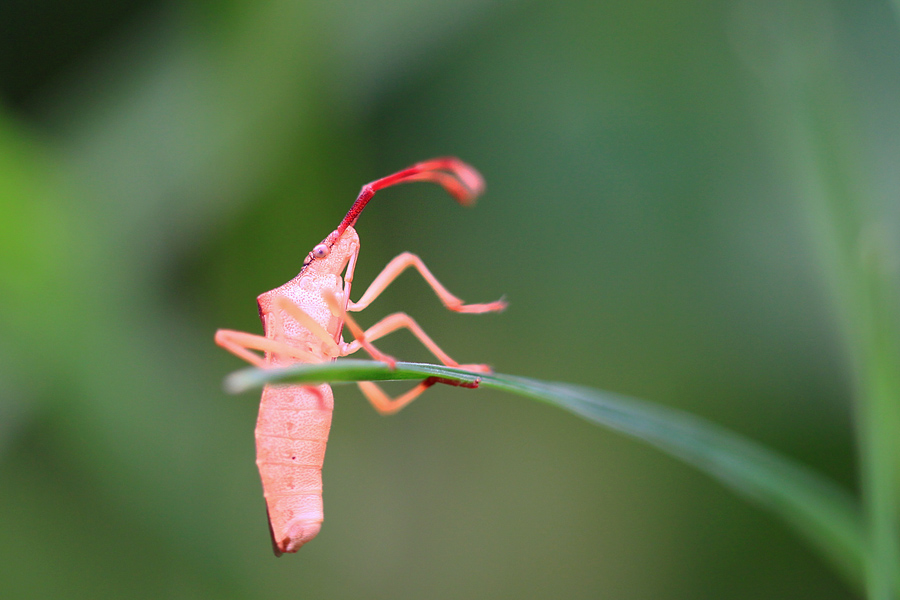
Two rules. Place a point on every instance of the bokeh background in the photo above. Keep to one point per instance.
(164, 162)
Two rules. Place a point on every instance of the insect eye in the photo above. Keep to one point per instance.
(321, 251)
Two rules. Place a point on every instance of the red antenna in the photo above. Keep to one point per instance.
(460, 180)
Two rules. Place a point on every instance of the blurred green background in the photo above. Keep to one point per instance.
(163, 163)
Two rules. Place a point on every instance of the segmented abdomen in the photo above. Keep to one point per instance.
(291, 433)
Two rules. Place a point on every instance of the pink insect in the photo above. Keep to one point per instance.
(303, 320)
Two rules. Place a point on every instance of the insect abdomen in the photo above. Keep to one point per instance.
(291, 433)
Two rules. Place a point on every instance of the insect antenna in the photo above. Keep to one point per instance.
(460, 180)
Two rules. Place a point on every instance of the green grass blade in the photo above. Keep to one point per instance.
(816, 507)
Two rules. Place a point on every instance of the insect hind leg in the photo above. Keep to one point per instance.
(373, 393)
(386, 405)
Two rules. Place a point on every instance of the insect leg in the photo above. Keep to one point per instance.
(392, 323)
(403, 262)
(386, 405)
(359, 335)
(307, 321)
(381, 401)
(240, 344)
